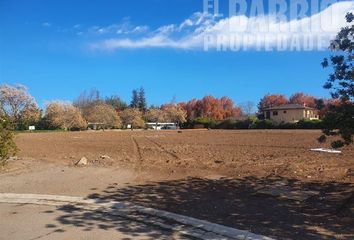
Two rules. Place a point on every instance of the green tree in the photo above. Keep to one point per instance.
(320, 104)
(7, 145)
(135, 99)
(142, 105)
(116, 102)
(339, 120)
(138, 99)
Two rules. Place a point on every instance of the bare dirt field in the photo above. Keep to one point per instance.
(212, 175)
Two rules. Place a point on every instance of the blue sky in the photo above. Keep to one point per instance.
(60, 48)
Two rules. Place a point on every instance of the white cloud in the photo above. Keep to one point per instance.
(118, 29)
(46, 24)
(140, 29)
(205, 31)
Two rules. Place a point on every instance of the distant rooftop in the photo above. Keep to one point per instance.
(288, 106)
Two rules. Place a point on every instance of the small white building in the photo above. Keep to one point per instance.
(161, 125)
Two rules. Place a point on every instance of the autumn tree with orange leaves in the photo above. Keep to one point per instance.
(271, 100)
(303, 99)
(211, 107)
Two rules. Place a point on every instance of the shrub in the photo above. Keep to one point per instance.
(7, 145)
(309, 124)
(284, 125)
(226, 124)
(263, 124)
(205, 122)
(246, 124)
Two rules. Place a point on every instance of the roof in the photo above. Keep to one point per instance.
(160, 123)
(287, 106)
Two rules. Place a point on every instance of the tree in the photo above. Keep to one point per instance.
(138, 99)
(135, 99)
(320, 104)
(7, 145)
(211, 107)
(247, 107)
(142, 105)
(154, 115)
(190, 108)
(133, 117)
(174, 113)
(303, 99)
(271, 100)
(104, 114)
(30, 116)
(116, 102)
(73, 119)
(62, 115)
(86, 100)
(339, 120)
(18, 105)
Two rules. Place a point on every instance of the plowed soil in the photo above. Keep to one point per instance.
(233, 153)
(212, 175)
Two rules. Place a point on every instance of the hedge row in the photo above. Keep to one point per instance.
(251, 123)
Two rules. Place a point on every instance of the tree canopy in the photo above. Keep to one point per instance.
(339, 120)
(211, 107)
(18, 105)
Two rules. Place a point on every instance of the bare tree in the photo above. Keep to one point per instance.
(18, 105)
(247, 107)
(87, 99)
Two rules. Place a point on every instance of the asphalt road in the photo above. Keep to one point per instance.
(30, 222)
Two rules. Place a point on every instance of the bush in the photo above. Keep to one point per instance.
(7, 145)
(226, 124)
(309, 124)
(284, 125)
(246, 124)
(251, 123)
(205, 122)
(263, 124)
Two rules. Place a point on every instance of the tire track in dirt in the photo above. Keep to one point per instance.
(161, 148)
(138, 150)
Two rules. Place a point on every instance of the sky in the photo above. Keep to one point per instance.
(172, 48)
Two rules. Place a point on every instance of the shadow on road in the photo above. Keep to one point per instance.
(235, 203)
